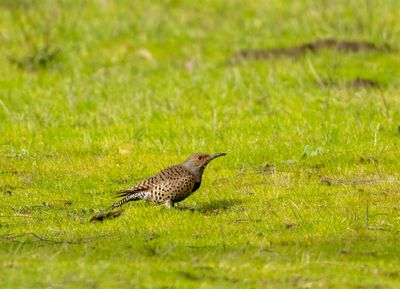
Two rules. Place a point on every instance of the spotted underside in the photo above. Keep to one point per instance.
(173, 184)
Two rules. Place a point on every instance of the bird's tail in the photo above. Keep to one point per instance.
(125, 193)
(128, 198)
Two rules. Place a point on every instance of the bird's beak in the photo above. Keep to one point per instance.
(213, 156)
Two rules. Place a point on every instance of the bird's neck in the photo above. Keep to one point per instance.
(196, 172)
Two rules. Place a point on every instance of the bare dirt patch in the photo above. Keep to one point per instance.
(357, 83)
(363, 83)
(314, 47)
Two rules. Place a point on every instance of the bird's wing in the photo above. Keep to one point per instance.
(146, 185)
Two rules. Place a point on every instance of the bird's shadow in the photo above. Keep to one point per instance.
(212, 208)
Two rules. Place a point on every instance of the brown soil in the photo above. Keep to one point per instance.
(297, 51)
(363, 82)
(356, 83)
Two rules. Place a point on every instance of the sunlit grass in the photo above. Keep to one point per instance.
(137, 86)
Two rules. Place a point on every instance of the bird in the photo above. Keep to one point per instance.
(171, 185)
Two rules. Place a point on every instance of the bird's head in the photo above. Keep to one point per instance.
(201, 160)
(197, 162)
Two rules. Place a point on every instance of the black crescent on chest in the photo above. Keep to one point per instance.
(196, 186)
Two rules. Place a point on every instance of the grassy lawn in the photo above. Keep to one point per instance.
(98, 95)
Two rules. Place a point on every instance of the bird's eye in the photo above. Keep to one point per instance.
(199, 158)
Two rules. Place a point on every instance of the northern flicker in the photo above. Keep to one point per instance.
(172, 185)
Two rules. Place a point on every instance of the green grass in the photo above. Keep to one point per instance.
(97, 95)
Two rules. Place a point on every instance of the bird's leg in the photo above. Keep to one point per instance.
(169, 204)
